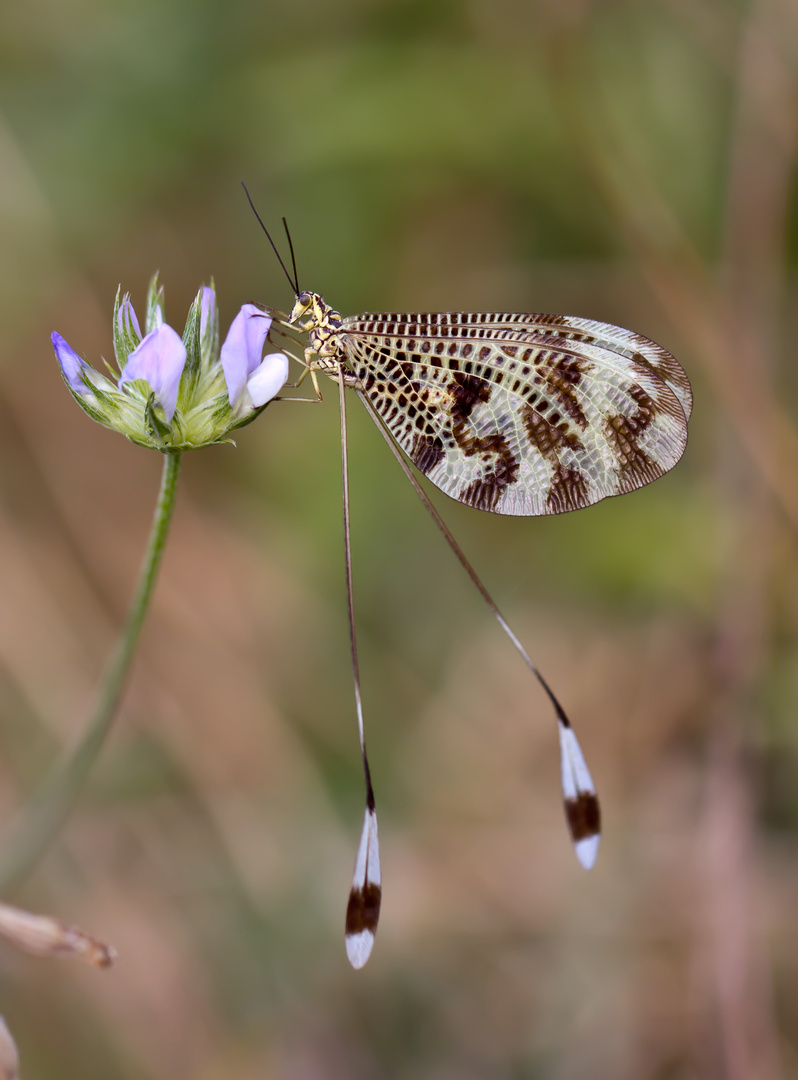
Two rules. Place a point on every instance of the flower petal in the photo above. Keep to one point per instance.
(71, 364)
(159, 359)
(208, 311)
(269, 377)
(126, 319)
(242, 348)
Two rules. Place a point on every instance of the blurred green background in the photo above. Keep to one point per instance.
(623, 161)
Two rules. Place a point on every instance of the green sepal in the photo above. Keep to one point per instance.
(108, 403)
(155, 313)
(177, 431)
(124, 343)
(158, 429)
(248, 418)
(210, 339)
(191, 340)
(88, 407)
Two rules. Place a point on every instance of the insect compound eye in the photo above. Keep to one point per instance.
(304, 299)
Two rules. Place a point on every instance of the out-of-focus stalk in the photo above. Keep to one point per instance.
(41, 819)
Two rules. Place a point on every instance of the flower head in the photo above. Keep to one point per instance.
(174, 393)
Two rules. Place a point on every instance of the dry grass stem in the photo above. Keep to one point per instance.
(44, 936)
(9, 1058)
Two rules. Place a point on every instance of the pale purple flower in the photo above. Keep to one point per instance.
(244, 371)
(159, 359)
(217, 390)
(71, 364)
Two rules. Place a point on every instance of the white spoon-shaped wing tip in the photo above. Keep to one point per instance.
(365, 897)
(579, 795)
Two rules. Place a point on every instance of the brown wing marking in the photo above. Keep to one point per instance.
(427, 452)
(463, 394)
(563, 374)
(569, 488)
(584, 816)
(568, 491)
(484, 493)
(633, 465)
(467, 392)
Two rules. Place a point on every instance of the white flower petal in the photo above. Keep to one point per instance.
(268, 378)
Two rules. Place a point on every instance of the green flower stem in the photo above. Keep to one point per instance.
(40, 821)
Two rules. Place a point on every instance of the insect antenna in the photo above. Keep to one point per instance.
(582, 810)
(365, 896)
(293, 257)
(292, 283)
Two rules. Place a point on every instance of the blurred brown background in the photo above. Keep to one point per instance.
(623, 161)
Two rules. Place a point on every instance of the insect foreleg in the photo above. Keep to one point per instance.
(301, 379)
(314, 379)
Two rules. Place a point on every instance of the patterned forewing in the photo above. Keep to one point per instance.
(568, 328)
(522, 414)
